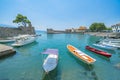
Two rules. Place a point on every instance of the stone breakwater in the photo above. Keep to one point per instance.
(104, 34)
(10, 32)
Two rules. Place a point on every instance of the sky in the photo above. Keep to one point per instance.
(61, 14)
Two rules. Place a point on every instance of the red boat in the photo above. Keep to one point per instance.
(100, 52)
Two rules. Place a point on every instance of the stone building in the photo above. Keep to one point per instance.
(82, 28)
(68, 30)
(78, 30)
(9, 32)
(50, 30)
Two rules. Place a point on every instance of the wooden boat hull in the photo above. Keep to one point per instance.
(80, 55)
(100, 52)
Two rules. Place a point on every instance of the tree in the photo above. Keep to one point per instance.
(97, 27)
(21, 20)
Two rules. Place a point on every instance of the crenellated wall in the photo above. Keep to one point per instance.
(9, 32)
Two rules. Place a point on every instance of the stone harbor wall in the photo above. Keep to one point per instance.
(6, 50)
(9, 32)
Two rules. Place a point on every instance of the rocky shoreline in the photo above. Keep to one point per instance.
(104, 34)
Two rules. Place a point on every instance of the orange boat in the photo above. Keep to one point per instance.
(81, 55)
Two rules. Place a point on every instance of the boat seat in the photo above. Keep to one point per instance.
(84, 57)
(80, 53)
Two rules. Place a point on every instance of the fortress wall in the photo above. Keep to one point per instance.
(9, 32)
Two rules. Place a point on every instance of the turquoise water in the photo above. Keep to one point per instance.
(26, 64)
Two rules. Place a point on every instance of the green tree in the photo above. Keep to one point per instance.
(97, 27)
(21, 20)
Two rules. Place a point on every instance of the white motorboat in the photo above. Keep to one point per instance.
(23, 40)
(6, 40)
(51, 61)
(111, 40)
(105, 46)
(109, 43)
(113, 44)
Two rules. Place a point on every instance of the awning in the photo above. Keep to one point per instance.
(51, 51)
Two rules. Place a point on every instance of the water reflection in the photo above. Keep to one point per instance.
(26, 49)
(86, 66)
(89, 68)
(118, 52)
(68, 36)
(7, 56)
(50, 36)
(92, 39)
(52, 75)
(80, 36)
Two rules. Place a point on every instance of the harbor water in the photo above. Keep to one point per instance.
(26, 64)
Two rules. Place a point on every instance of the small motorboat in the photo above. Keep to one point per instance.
(116, 45)
(81, 55)
(111, 40)
(105, 46)
(100, 52)
(51, 61)
(7, 40)
(109, 43)
(23, 40)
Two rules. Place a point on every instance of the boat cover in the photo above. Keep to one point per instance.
(51, 51)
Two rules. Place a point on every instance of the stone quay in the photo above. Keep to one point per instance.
(6, 50)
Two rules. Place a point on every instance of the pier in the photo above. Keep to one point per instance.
(6, 50)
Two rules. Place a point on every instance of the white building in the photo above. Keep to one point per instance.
(116, 28)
